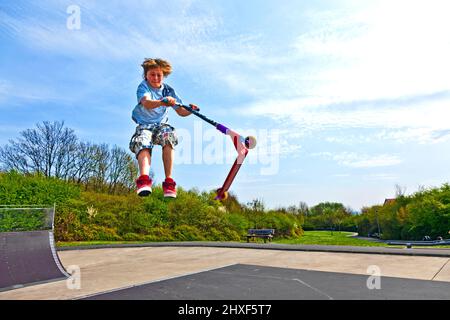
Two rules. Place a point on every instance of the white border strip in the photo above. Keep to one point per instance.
(55, 255)
(153, 281)
(26, 208)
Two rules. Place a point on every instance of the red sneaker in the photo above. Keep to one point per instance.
(169, 188)
(144, 186)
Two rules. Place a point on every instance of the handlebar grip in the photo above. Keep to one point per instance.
(187, 107)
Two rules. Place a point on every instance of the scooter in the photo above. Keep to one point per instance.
(241, 143)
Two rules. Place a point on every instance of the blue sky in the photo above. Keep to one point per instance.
(347, 98)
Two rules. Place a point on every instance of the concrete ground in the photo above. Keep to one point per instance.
(250, 282)
(109, 269)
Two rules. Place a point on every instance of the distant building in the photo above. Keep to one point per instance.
(388, 201)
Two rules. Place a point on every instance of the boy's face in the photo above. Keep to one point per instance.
(155, 77)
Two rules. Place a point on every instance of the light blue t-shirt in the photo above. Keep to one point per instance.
(142, 115)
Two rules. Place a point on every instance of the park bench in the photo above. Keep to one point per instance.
(266, 234)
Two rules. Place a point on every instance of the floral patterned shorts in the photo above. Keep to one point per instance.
(147, 136)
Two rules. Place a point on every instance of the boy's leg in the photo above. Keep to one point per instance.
(167, 155)
(141, 144)
(144, 183)
(169, 185)
(166, 137)
(144, 161)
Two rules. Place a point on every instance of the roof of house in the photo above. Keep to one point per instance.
(388, 201)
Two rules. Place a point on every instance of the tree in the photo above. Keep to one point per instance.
(232, 203)
(53, 150)
(66, 156)
(303, 208)
(100, 164)
(255, 209)
(399, 191)
(84, 163)
(45, 150)
(12, 161)
(120, 170)
(256, 205)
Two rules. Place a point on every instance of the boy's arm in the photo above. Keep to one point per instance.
(183, 112)
(151, 104)
(168, 102)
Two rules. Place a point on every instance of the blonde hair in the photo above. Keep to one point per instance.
(150, 63)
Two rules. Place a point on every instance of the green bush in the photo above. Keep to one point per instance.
(231, 235)
(426, 212)
(132, 237)
(188, 233)
(160, 234)
(24, 220)
(86, 215)
(101, 233)
(238, 221)
(33, 189)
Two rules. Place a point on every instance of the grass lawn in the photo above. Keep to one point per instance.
(310, 237)
(331, 238)
(341, 239)
(94, 243)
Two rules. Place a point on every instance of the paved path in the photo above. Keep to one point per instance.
(285, 247)
(114, 268)
(254, 282)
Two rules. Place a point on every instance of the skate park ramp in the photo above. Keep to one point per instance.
(27, 256)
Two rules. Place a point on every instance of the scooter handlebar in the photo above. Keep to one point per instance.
(189, 108)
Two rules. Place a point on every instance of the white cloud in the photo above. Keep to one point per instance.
(365, 60)
(190, 33)
(114, 31)
(13, 92)
(379, 50)
(341, 175)
(355, 160)
(383, 66)
(417, 135)
(380, 176)
(387, 49)
(328, 113)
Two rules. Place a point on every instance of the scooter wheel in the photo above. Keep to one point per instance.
(250, 142)
(221, 196)
(225, 195)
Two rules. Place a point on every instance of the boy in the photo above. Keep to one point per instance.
(154, 99)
